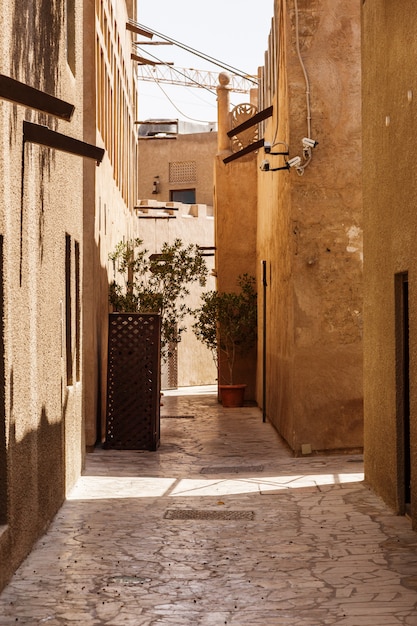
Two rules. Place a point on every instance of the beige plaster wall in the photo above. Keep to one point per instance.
(108, 217)
(111, 223)
(156, 154)
(41, 202)
(389, 93)
(310, 233)
(235, 240)
(235, 210)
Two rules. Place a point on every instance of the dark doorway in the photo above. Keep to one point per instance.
(403, 392)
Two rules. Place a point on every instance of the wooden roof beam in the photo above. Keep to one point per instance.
(20, 93)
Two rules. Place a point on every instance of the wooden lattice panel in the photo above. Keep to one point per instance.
(133, 382)
(183, 172)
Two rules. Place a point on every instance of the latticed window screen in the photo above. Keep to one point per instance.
(183, 172)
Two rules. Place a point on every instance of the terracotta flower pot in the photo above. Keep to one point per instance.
(232, 395)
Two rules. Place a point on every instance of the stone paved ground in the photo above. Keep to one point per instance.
(219, 526)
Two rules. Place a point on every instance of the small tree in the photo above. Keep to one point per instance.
(227, 322)
(157, 283)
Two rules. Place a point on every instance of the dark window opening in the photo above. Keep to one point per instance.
(186, 196)
(403, 391)
(68, 310)
(72, 310)
(77, 312)
(71, 34)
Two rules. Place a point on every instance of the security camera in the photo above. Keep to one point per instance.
(294, 162)
(265, 166)
(309, 143)
(268, 148)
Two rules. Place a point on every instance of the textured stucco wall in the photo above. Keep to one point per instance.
(389, 49)
(154, 158)
(41, 202)
(111, 222)
(310, 233)
(107, 217)
(235, 240)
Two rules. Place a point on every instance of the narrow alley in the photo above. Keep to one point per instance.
(220, 526)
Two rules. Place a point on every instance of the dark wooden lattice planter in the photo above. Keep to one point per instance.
(133, 381)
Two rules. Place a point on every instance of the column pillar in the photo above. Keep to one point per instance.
(223, 113)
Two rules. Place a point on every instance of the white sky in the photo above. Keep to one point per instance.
(232, 31)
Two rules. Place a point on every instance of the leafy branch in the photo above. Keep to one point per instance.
(227, 322)
(157, 283)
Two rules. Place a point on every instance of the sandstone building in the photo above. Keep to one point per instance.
(300, 228)
(389, 95)
(41, 234)
(109, 192)
(67, 187)
(176, 166)
(310, 226)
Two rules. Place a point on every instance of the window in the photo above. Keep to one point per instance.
(77, 312)
(71, 34)
(68, 310)
(115, 104)
(187, 196)
(72, 310)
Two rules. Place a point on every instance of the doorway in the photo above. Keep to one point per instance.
(403, 392)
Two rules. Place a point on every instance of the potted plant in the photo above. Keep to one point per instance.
(227, 324)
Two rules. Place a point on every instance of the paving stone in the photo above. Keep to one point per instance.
(320, 548)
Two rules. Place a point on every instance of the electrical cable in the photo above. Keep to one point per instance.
(274, 140)
(206, 57)
(173, 68)
(307, 152)
(176, 108)
(298, 163)
(297, 43)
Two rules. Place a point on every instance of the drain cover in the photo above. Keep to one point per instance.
(208, 515)
(177, 417)
(237, 469)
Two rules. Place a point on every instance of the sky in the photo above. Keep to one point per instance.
(234, 32)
